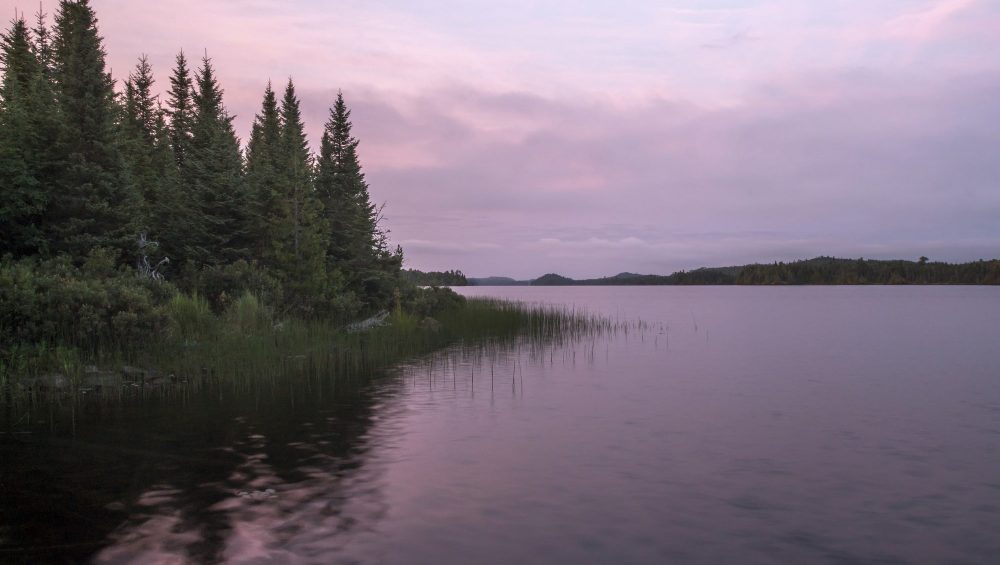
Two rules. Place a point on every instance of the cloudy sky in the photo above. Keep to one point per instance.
(590, 137)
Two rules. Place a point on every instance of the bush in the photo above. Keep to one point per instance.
(248, 315)
(90, 307)
(221, 285)
(423, 302)
(191, 317)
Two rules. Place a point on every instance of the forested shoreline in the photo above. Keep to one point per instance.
(133, 213)
(435, 278)
(819, 270)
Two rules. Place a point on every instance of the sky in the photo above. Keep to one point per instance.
(588, 137)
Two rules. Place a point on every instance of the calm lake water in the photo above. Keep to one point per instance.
(738, 425)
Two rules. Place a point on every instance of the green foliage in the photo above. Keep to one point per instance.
(191, 317)
(28, 130)
(213, 176)
(249, 315)
(424, 302)
(828, 270)
(92, 201)
(221, 284)
(93, 307)
(434, 278)
(263, 180)
(297, 252)
(86, 173)
(146, 146)
(356, 245)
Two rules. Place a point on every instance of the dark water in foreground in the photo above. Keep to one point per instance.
(744, 425)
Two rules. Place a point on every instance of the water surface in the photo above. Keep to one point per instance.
(738, 425)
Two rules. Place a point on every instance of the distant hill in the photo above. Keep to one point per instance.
(553, 279)
(819, 270)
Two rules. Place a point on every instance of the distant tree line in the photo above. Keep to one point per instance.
(829, 270)
(435, 278)
(163, 187)
(820, 270)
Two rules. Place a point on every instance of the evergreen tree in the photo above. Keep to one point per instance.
(26, 136)
(139, 125)
(147, 151)
(263, 152)
(180, 109)
(43, 43)
(177, 210)
(356, 245)
(213, 173)
(92, 201)
(297, 228)
(20, 62)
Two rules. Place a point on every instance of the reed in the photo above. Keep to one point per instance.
(245, 349)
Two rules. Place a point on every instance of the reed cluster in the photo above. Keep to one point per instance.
(247, 348)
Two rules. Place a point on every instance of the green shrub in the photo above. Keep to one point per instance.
(430, 301)
(92, 307)
(248, 315)
(191, 317)
(221, 285)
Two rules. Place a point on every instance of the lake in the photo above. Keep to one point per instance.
(732, 425)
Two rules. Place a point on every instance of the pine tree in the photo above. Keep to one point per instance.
(213, 173)
(297, 227)
(177, 213)
(43, 43)
(180, 109)
(139, 135)
(92, 201)
(147, 151)
(263, 152)
(356, 246)
(26, 135)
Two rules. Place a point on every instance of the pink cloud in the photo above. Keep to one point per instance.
(928, 23)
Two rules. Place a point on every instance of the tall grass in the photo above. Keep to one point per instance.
(245, 349)
(191, 316)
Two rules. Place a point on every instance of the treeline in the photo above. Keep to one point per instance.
(820, 270)
(829, 270)
(161, 186)
(708, 276)
(130, 219)
(435, 278)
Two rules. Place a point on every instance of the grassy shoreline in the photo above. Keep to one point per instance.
(244, 349)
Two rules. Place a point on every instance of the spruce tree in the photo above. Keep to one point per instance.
(147, 151)
(92, 202)
(180, 109)
(263, 152)
(298, 228)
(178, 217)
(26, 137)
(43, 43)
(356, 246)
(213, 173)
(138, 132)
